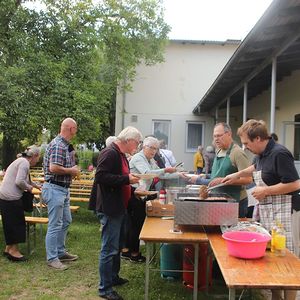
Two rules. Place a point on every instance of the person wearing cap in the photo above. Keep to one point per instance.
(16, 180)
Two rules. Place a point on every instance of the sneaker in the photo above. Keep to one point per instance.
(119, 281)
(56, 264)
(139, 258)
(112, 296)
(68, 257)
(126, 255)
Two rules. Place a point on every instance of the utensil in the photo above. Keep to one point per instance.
(179, 165)
(216, 186)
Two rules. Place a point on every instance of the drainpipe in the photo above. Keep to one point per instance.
(245, 102)
(273, 95)
(228, 111)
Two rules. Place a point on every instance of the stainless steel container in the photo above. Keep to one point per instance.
(190, 210)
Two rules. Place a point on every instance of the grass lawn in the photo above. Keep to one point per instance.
(35, 280)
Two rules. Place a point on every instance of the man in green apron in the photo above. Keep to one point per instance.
(229, 159)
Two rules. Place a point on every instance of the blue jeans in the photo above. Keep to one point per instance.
(57, 199)
(111, 245)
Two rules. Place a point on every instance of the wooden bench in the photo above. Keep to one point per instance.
(31, 224)
(80, 199)
(268, 272)
(73, 208)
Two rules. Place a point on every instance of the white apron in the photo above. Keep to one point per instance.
(275, 208)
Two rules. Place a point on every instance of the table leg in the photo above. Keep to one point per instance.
(231, 294)
(208, 260)
(147, 271)
(196, 261)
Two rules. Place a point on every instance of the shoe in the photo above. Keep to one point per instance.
(112, 296)
(68, 257)
(139, 258)
(126, 255)
(16, 259)
(56, 264)
(120, 281)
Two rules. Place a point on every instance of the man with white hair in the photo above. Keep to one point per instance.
(109, 199)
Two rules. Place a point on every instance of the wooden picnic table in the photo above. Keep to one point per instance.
(158, 230)
(268, 272)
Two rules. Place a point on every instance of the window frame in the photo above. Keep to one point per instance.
(190, 150)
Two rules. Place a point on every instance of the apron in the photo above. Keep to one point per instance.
(222, 167)
(275, 208)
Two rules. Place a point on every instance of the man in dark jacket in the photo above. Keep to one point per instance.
(110, 196)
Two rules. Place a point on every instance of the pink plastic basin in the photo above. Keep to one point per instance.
(246, 244)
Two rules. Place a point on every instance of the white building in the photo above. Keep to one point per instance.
(204, 82)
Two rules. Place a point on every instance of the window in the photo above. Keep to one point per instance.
(194, 135)
(161, 129)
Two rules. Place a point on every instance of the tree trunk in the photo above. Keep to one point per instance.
(9, 151)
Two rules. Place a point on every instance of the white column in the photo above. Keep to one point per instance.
(228, 111)
(217, 115)
(245, 102)
(273, 95)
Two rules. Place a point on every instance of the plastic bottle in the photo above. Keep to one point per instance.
(280, 241)
(273, 235)
(162, 196)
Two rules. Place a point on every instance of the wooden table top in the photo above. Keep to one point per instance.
(268, 272)
(158, 230)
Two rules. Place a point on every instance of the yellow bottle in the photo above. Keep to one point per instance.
(273, 237)
(280, 241)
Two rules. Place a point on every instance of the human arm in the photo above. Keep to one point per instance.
(22, 176)
(233, 178)
(261, 192)
(60, 170)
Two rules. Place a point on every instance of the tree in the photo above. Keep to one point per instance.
(67, 59)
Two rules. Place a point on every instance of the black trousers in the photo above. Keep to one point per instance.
(136, 213)
(13, 221)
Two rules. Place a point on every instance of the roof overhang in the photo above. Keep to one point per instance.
(276, 35)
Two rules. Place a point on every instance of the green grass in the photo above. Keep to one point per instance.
(35, 280)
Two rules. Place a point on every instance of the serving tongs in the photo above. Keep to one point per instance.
(215, 186)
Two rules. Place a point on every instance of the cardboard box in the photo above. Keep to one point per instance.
(155, 209)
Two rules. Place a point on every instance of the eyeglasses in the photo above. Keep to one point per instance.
(152, 148)
(217, 136)
(136, 142)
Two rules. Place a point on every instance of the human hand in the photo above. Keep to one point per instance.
(133, 179)
(170, 170)
(215, 181)
(260, 192)
(229, 179)
(75, 171)
(193, 179)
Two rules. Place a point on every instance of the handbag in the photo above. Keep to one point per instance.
(27, 200)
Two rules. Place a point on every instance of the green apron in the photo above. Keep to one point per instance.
(222, 167)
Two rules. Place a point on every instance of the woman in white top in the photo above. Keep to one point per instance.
(15, 182)
(142, 163)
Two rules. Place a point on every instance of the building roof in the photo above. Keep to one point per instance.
(206, 42)
(276, 34)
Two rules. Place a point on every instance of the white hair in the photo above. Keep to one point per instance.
(30, 151)
(110, 140)
(130, 133)
(151, 141)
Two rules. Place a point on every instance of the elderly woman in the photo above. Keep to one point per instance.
(16, 180)
(142, 163)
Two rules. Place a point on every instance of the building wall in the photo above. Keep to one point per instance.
(171, 90)
(287, 106)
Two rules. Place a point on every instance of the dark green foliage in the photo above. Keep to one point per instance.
(67, 60)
